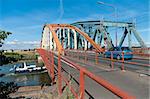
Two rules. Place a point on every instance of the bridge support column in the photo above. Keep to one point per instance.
(54, 45)
(75, 39)
(68, 34)
(85, 44)
(63, 35)
(45, 39)
(51, 43)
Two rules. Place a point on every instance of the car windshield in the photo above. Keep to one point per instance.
(21, 65)
(120, 49)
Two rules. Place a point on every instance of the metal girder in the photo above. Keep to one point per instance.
(139, 39)
(107, 37)
(129, 39)
(123, 37)
(104, 23)
(89, 37)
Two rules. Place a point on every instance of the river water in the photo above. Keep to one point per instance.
(23, 79)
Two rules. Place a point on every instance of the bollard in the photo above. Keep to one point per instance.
(85, 59)
(96, 57)
(112, 63)
(122, 67)
(78, 55)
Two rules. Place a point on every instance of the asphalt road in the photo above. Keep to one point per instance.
(139, 64)
(129, 81)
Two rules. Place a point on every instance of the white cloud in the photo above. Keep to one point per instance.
(20, 45)
(145, 30)
(15, 42)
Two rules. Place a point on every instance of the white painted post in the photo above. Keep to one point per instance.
(75, 39)
(45, 39)
(54, 45)
(85, 44)
(51, 43)
(68, 34)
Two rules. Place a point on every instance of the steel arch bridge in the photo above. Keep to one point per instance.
(86, 35)
(81, 36)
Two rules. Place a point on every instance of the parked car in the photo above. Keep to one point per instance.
(117, 53)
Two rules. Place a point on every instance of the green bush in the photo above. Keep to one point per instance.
(6, 89)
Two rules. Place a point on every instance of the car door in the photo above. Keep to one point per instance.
(110, 51)
(116, 52)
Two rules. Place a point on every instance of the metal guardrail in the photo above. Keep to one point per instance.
(48, 58)
(96, 57)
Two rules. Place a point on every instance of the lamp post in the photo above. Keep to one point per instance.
(115, 13)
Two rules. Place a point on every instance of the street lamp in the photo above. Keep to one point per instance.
(115, 12)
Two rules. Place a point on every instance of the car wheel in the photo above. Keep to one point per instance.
(118, 57)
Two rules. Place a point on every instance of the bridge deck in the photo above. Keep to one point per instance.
(128, 81)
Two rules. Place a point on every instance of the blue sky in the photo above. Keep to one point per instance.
(25, 18)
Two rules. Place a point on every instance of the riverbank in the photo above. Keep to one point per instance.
(7, 57)
(41, 92)
(29, 92)
(36, 92)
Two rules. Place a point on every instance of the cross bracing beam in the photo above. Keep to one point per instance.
(105, 23)
(123, 37)
(83, 36)
(139, 39)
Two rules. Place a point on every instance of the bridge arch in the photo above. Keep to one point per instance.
(64, 36)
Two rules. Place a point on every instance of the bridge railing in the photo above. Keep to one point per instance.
(48, 58)
(96, 57)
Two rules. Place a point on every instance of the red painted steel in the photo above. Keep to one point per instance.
(83, 72)
(115, 60)
(55, 26)
(81, 84)
(122, 67)
(70, 87)
(59, 75)
(102, 82)
(52, 67)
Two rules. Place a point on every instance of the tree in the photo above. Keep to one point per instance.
(6, 89)
(3, 36)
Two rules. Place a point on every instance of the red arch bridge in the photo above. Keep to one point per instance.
(73, 56)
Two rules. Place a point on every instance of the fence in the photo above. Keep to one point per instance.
(140, 61)
(48, 58)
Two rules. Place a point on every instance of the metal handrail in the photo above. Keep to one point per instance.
(83, 73)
